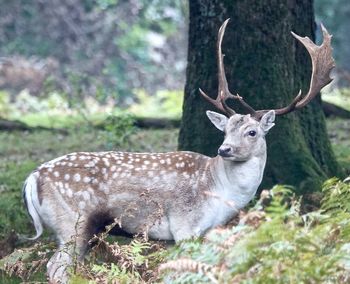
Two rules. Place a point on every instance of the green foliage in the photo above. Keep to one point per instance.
(282, 247)
(335, 16)
(119, 129)
(128, 263)
(26, 263)
(340, 97)
(4, 103)
(338, 130)
(161, 104)
(99, 44)
(12, 176)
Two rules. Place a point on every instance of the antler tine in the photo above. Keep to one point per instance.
(223, 91)
(322, 65)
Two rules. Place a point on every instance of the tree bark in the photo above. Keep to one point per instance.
(266, 66)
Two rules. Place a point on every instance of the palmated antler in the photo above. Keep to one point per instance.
(322, 65)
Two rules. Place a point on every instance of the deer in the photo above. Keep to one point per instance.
(170, 196)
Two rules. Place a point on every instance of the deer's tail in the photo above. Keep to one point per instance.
(31, 200)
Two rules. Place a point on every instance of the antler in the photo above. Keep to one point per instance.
(322, 65)
(223, 91)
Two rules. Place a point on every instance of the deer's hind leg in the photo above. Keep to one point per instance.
(73, 243)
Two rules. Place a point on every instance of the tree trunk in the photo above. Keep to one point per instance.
(266, 66)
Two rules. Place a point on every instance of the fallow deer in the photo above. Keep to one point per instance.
(171, 196)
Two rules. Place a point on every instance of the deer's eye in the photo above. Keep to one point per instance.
(252, 133)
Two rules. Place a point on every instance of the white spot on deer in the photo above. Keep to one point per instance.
(155, 165)
(137, 160)
(82, 205)
(50, 169)
(62, 190)
(168, 161)
(70, 164)
(82, 158)
(119, 182)
(180, 158)
(76, 177)
(119, 162)
(73, 158)
(146, 162)
(86, 179)
(69, 193)
(162, 161)
(104, 170)
(66, 176)
(113, 168)
(56, 174)
(150, 173)
(185, 175)
(106, 162)
(86, 195)
(90, 164)
(103, 187)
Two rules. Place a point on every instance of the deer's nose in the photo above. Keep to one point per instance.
(225, 151)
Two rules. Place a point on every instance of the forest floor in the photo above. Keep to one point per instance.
(21, 152)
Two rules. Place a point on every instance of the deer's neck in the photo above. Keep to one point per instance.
(237, 182)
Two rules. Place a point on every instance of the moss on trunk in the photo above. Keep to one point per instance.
(266, 66)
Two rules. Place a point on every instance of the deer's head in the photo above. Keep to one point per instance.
(244, 134)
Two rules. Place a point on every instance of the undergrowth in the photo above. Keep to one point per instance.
(273, 242)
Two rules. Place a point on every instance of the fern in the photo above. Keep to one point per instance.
(281, 246)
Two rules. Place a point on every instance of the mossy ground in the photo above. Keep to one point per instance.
(21, 152)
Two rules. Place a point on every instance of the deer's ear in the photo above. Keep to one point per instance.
(217, 119)
(267, 121)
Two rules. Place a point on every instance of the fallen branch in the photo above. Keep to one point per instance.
(159, 123)
(333, 110)
(14, 125)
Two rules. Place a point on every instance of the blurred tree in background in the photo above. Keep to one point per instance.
(110, 48)
(95, 47)
(335, 15)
